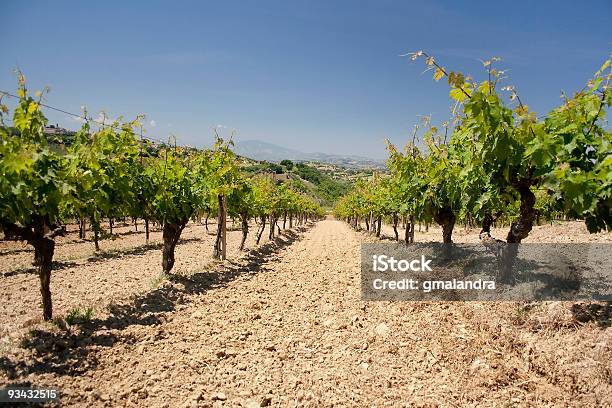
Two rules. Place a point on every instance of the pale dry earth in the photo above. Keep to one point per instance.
(83, 278)
(283, 325)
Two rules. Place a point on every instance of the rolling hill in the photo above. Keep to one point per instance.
(260, 150)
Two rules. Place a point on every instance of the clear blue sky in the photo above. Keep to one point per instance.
(311, 75)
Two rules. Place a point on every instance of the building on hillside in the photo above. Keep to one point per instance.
(55, 130)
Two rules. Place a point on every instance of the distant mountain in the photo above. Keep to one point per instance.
(259, 150)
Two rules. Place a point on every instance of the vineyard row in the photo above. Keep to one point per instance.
(112, 174)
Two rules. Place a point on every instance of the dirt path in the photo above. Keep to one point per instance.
(285, 326)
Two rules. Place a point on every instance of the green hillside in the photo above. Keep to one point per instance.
(303, 177)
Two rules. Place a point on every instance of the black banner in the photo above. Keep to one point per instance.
(496, 271)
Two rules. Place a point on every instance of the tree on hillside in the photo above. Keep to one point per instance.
(287, 163)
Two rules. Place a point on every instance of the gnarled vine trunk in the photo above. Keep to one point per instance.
(146, 231)
(445, 217)
(409, 232)
(245, 229)
(44, 249)
(263, 227)
(171, 235)
(395, 222)
(95, 226)
(219, 251)
(519, 230)
(40, 234)
(82, 228)
(272, 223)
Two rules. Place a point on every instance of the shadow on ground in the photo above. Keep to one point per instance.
(98, 257)
(16, 251)
(57, 265)
(135, 251)
(70, 351)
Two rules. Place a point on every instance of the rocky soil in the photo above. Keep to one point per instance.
(283, 325)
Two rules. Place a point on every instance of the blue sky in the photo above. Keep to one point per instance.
(311, 75)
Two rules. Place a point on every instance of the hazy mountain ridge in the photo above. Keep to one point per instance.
(260, 150)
